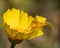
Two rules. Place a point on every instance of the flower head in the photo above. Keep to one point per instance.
(19, 25)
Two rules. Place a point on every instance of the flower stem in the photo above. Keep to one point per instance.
(14, 42)
(12, 45)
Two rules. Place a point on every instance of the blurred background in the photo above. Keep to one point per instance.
(47, 8)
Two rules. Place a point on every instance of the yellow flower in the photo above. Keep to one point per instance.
(19, 25)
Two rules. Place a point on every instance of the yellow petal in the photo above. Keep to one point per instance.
(23, 20)
(40, 33)
(30, 19)
(40, 19)
(35, 33)
(12, 17)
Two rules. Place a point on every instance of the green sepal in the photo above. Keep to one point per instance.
(14, 42)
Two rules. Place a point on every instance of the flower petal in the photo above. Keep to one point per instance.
(12, 17)
(35, 33)
(23, 20)
(40, 19)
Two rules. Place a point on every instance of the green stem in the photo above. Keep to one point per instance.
(12, 45)
(14, 42)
